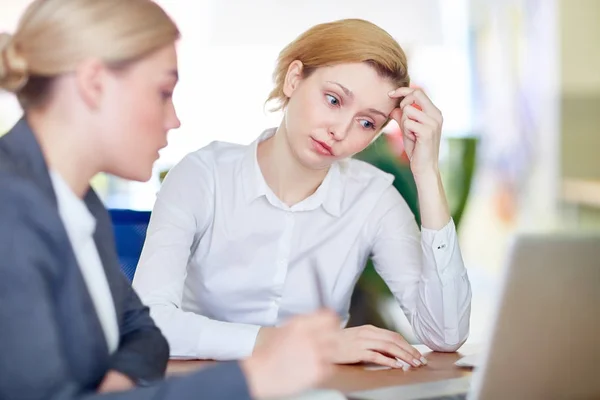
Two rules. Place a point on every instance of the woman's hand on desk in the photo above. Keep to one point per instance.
(294, 357)
(375, 345)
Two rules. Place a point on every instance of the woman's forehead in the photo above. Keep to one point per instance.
(358, 80)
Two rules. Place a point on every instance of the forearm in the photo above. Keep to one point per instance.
(142, 355)
(223, 381)
(433, 204)
(443, 309)
(444, 292)
(194, 335)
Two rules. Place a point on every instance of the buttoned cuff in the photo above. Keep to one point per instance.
(441, 253)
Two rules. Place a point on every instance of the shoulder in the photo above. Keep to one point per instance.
(195, 177)
(218, 152)
(19, 197)
(362, 171)
(371, 183)
(363, 180)
(31, 226)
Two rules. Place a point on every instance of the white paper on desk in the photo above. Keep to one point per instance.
(421, 348)
(318, 394)
(470, 361)
(184, 358)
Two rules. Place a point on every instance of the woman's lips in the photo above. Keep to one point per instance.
(322, 148)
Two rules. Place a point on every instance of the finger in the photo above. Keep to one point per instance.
(398, 340)
(401, 92)
(378, 358)
(408, 358)
(402, 343)
(417, 115)
(419, 98)
(422, 132)
(402, 364)
(397, 115)
(390, 349)
(409, 136)
(407, 132)
(409, 100)
(410, 140)
(417, 357)
(425, 102)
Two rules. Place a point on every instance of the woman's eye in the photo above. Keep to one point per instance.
(367, 124)
(332, 100)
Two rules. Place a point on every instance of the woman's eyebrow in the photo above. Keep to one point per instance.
(349, 93)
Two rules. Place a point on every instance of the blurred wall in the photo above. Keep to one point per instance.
(580, 111)
(580, 88)
(10, 10)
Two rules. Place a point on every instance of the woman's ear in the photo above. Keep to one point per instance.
(89, 77)
(292, 78)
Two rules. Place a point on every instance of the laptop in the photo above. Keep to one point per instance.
(545, 338)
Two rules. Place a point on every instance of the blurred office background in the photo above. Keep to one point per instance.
(518, 83)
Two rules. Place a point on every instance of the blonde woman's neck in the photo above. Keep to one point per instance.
(290, 181)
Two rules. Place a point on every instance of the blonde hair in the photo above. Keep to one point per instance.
(338, 42)
(53, 36)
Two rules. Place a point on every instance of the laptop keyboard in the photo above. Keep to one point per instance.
(462, 396)
(448, 389)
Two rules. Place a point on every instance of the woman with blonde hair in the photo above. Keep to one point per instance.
(95, 80)
(236, 229)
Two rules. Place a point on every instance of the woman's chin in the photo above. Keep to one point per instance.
(138, 173)
(316, 162)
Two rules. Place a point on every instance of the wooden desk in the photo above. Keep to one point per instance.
(350, 378)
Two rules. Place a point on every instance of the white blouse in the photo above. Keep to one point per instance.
(224, 256)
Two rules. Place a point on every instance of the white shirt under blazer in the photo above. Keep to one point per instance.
(224, 256)
(80, 226)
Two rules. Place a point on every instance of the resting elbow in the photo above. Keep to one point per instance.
(447, 347)
(443, 345)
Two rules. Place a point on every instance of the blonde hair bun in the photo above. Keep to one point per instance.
(117, 32)
(13, 67)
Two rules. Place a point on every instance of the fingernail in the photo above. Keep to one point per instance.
(391, 92)
(402, 364)
(417, 362)
(424, 360)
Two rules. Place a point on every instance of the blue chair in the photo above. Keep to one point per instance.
(130, 232)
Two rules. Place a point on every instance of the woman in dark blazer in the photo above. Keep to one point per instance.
(95, 79)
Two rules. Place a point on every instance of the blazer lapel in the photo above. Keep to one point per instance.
(25, 155)
(105, 244)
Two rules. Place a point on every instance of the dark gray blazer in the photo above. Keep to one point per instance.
(51, 343)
